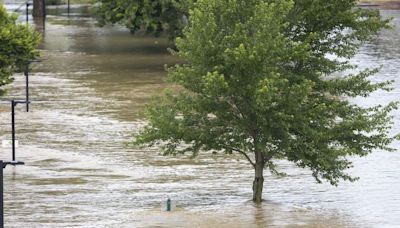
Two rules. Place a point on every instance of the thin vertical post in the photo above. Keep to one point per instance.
(169, 207)
(13, 128)
(27, 13)
(68, 7)
(1, 196)
(3, 166)
(44, 9)
(26, 72)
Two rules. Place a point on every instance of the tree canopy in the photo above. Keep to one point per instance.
(269, 79)
(18, 44)
(152, 16)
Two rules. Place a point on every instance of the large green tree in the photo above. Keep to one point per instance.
(18, 44)
(152, 16)
(267, 79)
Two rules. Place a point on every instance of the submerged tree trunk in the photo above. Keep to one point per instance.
(258, 182)
(39, 8)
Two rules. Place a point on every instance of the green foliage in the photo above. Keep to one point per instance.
(258, 81)
(153, 16)
(17, 45)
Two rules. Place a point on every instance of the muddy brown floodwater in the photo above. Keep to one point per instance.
(88, 93)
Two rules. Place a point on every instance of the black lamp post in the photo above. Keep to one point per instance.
(26, 73)
(13, 104)
(27, 12)
(68, 7)
(2, 166)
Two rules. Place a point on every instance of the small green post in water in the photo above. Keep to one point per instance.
(168, 204)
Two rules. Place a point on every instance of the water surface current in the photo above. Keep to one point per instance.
(88, 92)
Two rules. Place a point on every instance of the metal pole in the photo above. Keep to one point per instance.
(13, 128)
(26, 72)
(68, 7)
(168, 204)
(27, 12)
(44, 9)
(1, 195)
(2, 166)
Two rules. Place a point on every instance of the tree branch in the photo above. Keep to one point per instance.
(269, 157)
(241, 152)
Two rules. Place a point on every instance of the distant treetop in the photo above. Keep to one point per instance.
(152, 16)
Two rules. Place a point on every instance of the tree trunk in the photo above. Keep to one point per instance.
(258, 182)
(39, 8)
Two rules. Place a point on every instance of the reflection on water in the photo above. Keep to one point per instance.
(89, 90)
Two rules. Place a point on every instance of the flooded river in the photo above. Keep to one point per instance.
(88, 93)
